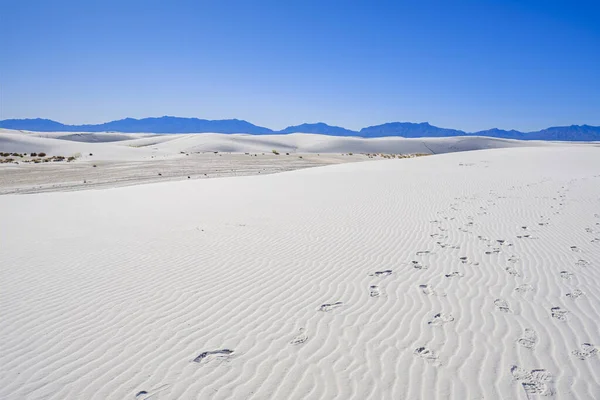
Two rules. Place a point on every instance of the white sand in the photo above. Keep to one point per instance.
(117, 159)
(493, 291)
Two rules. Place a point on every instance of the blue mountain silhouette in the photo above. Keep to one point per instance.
(194, 125)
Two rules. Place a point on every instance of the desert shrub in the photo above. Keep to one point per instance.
(94, 165)
(41, 154)
(275, 152)
(91, 154)
(33, 154)
(349, 154)
(70, 159)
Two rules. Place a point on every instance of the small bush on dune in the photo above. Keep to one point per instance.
(41, 154)
(275, 152)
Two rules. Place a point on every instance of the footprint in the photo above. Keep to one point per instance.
(215, 354)
(300, 338)
(427, 355)
(493, 251)
(418, 265)
(143, 394)
(566, 275)
(374, 291)
(464, 260)
(328, 307)
(502, 305)
(524, 288)
(529, 339)
(536, 382)
(587, 350)
(512, 271)
(454, 274)
(575, 294)
(386, 272)
(575, 249)
(559, 313)
(513, 259)
(424, 253)
(441, 319)
(582, 263)
(429, 290)
(520, 374)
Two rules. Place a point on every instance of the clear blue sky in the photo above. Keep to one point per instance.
(469, 65)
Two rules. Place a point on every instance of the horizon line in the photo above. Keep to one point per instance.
(290, 126)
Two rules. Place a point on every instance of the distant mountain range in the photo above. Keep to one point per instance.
(195, 125)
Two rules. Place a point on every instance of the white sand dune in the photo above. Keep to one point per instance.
(118, 146)
(466, 276)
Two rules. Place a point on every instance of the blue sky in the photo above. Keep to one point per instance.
(469, 65)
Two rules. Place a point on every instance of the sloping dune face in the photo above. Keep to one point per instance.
(464, 275)
(121, 146)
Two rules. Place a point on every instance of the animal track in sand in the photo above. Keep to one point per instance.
(536, 382)
(427, 355)
(566, 275)
(559, 313)
(529, 339)
(386, 272)
(429, 290)
(454, 274)
(575, 249)
(502, 305)
(575, 294)
(300, 338)
(328, 307)
(215, 354)
(513, 259)
(512, 271)
(374, 291)
(587, 350)
(440, 319)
